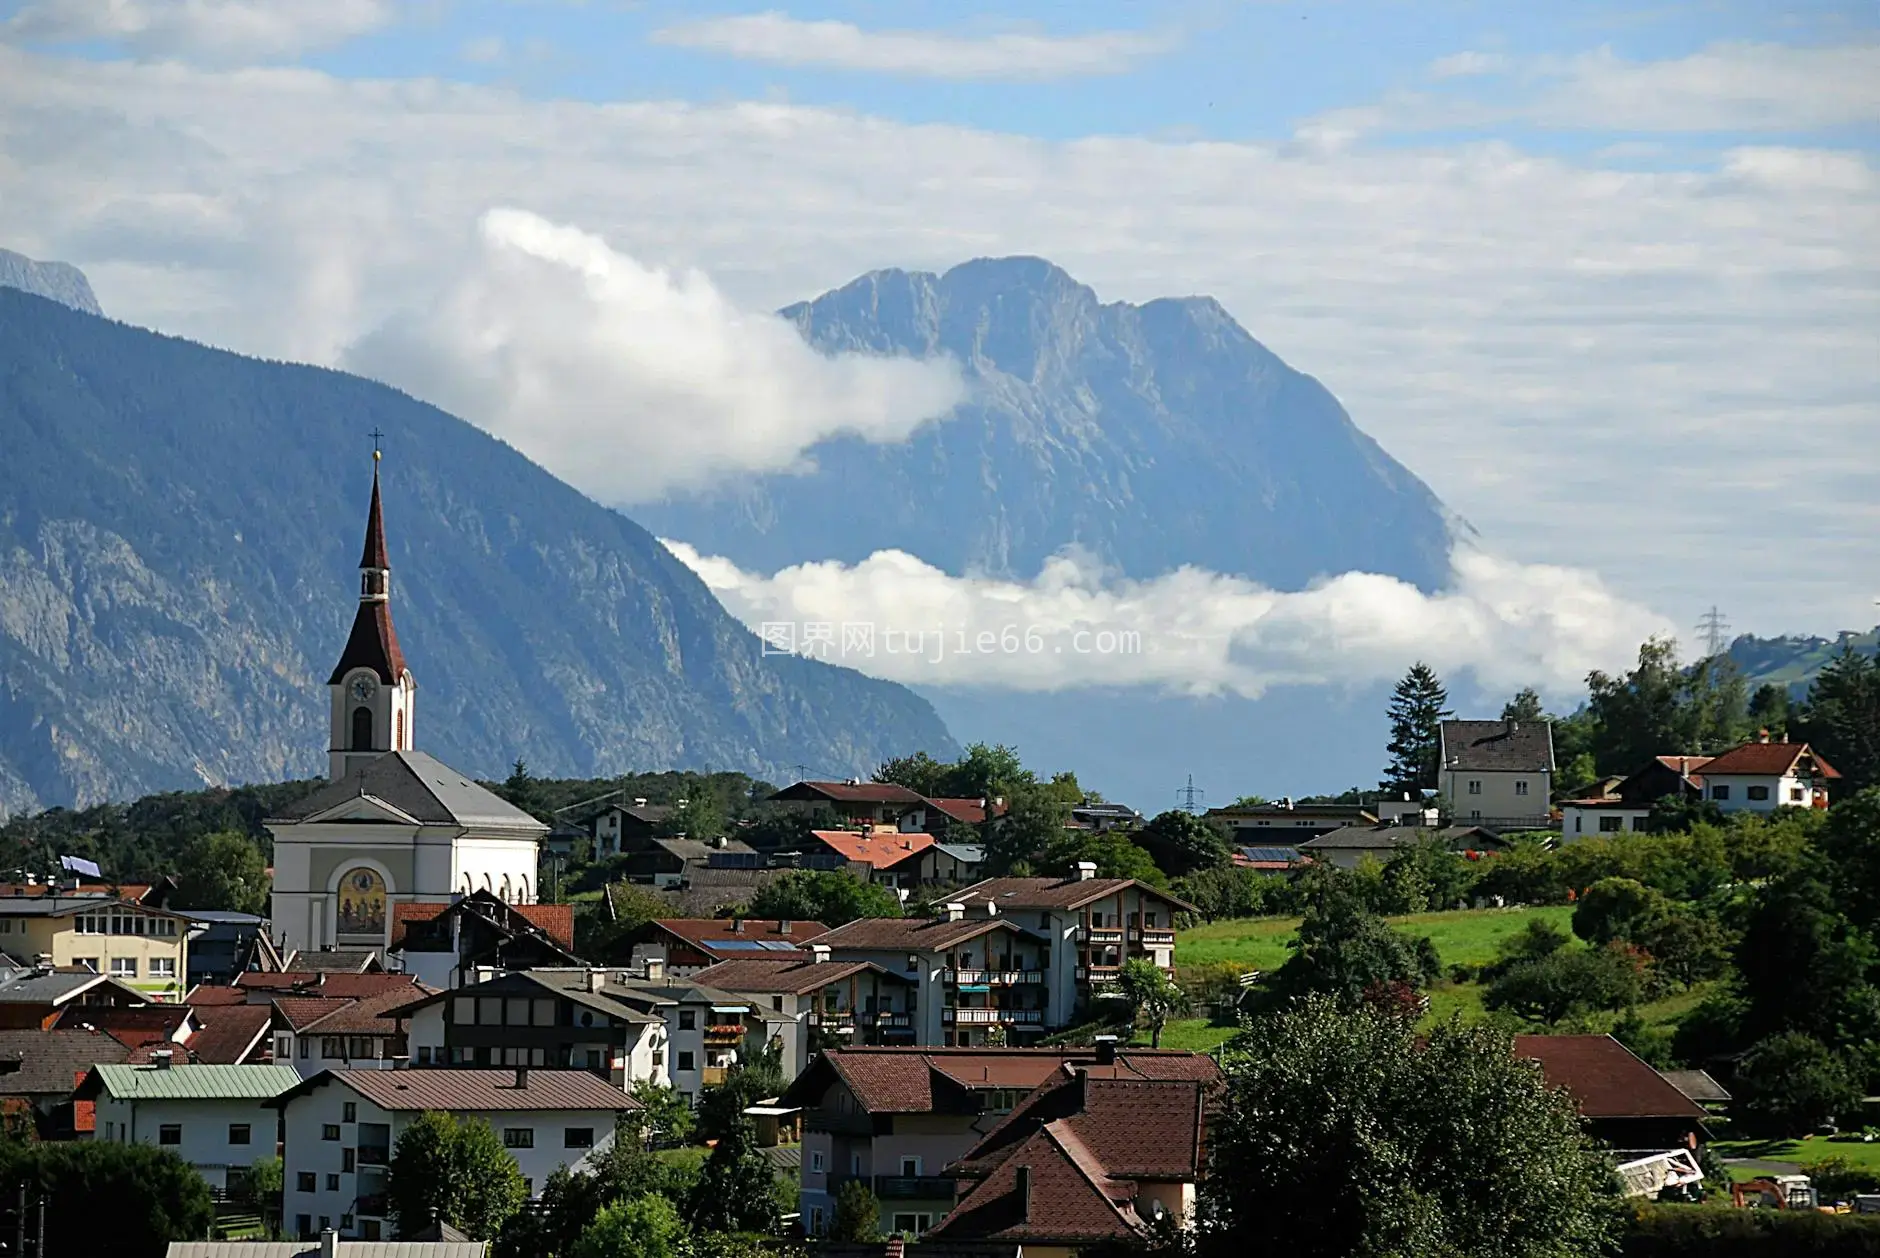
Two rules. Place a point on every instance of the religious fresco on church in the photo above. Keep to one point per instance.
(362, 902)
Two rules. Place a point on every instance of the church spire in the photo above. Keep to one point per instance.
(372, 688)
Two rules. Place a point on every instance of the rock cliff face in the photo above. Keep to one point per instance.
(179, 535)
(57, 281)
(1153, 436)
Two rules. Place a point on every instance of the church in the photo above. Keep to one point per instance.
(394, 825)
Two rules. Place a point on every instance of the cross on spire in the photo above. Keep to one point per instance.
(377, 437)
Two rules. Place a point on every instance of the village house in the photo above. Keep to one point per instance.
(687, 945)
(1088, 927)
(1625, 804)
(970, 978)
(1498, 774)
(216, 1118)
(562, 1019)
(809, 1006)
(440, 942)
(879, 804)
(1105, 1151)
(317, 1033)
(621, 828)
(1286, 824)
(37, 996)
(891, 858)
(340, 1127)
(39, 1070)
(1624, 1103)
(898, 1118)
(1349, 847)
(1763, 776)
(94, 928)
(231, 1031)
(950, 864)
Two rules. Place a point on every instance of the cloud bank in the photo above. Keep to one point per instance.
(206, 30)
(629, 381)
(1189, 631)
(782, 40)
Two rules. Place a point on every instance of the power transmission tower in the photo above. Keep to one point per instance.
(802, 772)
(1715, 630)
(1190, 796)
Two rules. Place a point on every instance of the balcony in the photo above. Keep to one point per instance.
(890, 1021)
(992, 978)
(915, 1187)
(990, 1017)
(374, 1155)
(1152, 936)
(1099, 934)
(712, 1076)
(833, 1019)
(374, 1206)
(721, 1032)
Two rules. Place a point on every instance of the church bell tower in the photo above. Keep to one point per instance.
(372, 691)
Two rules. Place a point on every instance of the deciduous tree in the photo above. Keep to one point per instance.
(224, 870)
(1181, 843)
(1151, 994)
(454, 1170)
(833, 897)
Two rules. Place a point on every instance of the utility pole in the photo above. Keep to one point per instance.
(1715, 631)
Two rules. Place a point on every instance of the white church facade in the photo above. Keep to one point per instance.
(394, 825)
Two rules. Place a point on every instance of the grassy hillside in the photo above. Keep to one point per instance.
(1463, 937)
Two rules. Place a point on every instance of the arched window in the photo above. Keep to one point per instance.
(525, 897)
(362, 729)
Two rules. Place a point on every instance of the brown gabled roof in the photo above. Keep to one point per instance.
(134, 1026)
(49, 1063)
(368, 1015)
(297, 1013)
(326, 985)
(1069, 1197)
(335, 961)
(966, 811)
(785, 976)
(1768, 760)
(211, 995)
(473, 1091)
(230, 1034)
(850, 793)
(1056, 893)
(909, 1080)
(879, 849)
(912, 934)
(1605, 1077)
(1137, 1128)
(405, 912)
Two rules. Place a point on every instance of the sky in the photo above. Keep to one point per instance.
(1606, 276)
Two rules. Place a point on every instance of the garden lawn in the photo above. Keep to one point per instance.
(1462, 936)
(1814, 1149)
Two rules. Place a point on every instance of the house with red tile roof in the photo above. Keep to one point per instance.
(1623, 1101)
(1763, 776)
(1098, 1153)
(807, 1006)
(879, 803)
(898, 1118)
(442, 942)
(331, 1027)
(889, 857)
(973, 976)
(1626, 804)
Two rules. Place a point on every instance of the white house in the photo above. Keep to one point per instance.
(1498, 773)
(341, 1127)
(1763, 776)
(809, 1005)
(216, 1118)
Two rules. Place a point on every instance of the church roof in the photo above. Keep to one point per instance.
(374, 553)
(373, 644)
(425, 789)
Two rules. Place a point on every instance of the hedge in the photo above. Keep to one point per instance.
(1726, 1232)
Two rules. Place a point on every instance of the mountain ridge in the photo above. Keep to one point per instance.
(1149, 435)
(178, 546)
(56, 281)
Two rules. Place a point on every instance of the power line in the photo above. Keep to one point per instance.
(1715, 630)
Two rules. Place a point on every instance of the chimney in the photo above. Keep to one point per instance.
(597, 979)
(1106, 1050)
(737, 926)
(955, 911)
(655, 968)
(1086, 870)
(522, 1078)
(639, 801)
(1023, 1175)
(783, 926)
(161, 1058)
(1762, 735)
(329, 1243)
(818, 953)
(1511, 726)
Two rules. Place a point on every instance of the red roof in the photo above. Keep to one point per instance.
(206, 996)
(1057, 893)
(1067, 1197)
(133, 1026)
(327, 984)
(373, 556)
(967, 811)
(1769, 760)
(1605, 1077)
(555, 920)
(878, 849)
(703, 932)
(851, 793)
(406, 911)
(373, 644)
(896, 1080)
(230, 1034)
(784, 975)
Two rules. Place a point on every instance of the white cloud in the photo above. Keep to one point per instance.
(630, 382)
(1635, 371)
(206, 30)
(1190, 631)
(781, 39)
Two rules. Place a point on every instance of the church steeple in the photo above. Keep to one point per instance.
(372, 690)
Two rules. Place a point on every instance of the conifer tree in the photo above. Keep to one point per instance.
(1417, 711)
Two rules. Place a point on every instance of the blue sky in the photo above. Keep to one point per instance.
(1607, 276)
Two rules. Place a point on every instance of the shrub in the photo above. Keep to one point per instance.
(1723, 1232)
(1792, 1084)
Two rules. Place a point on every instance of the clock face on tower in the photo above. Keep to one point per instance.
(362, 688)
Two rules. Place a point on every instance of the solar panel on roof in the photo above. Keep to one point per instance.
(1270, 853)
(735, 945)
(776, 945)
